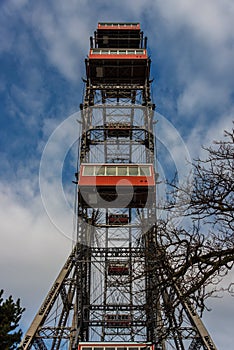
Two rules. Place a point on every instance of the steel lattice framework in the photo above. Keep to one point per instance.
(109, 289)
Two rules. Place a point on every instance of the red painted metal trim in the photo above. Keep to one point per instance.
(123, 181)
(117, 57)
(113, 180)
(109, 344)
(119, 27)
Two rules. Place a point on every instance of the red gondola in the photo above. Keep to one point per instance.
(118, 129)
(115, 346)
(123, 54)
(115, 35)
(122, 66)
(118, 26)
(118, 320)
(116, 185)
(118, 219)
(118, 268)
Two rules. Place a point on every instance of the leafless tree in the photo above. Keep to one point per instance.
(199, 252)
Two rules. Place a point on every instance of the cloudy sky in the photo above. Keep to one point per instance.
(43, 45)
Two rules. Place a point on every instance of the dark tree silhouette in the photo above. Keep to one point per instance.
(212, 196)
(198, 252)
(10, 314)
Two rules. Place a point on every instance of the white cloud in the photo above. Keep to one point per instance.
(31, 251)
(205, 136)
(210, 20)
(61, 28)
(201, 95)
(219, 320)
(194, 51)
